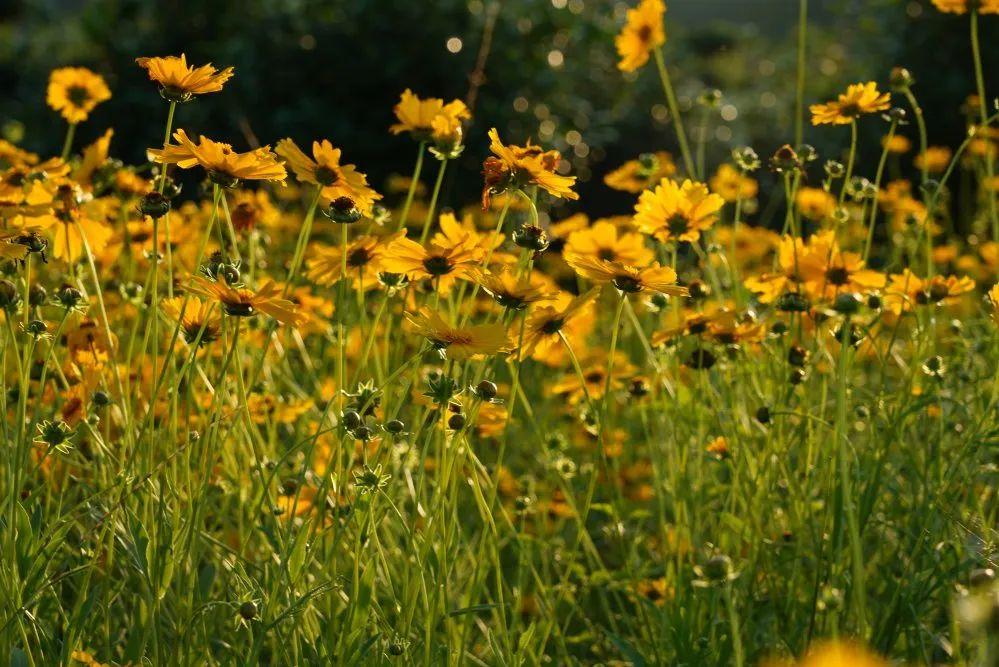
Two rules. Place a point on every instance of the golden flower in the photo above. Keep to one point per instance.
(840, 654)
(993, 297)
(517, 166)
(325, 170)
(224, 166)
(815, 203)
(827, 274)
(75, 91)
(643, 31)
(655, 591)
(250, 209)
(179, 82)
(15, 156)
(195, 317)
(906, 290)
(731, 184)
(430, 119)
(636, 175)
(453, 233)
(444, 264)
(792, 254)
(718, 448)
(244, 302)
(675, 212)
(603, 241)
(512, 291)
(859, 99)
(934, 159)
(594, 380)
(962, 6)
(626, 278)
(94, 157)
(545, 325)
(896, 144)
(364, 262)
(459, 342)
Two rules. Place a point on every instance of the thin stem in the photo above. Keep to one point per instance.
(674, 110)
(413, 183)
(799, 101)
(433, 201)
(983, 110)
(67, 145)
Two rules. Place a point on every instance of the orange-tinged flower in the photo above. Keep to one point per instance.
(512, 291)
(325, 170)
(629, 279)
(604, 241)
(459, 342)
(897, 144)
(643, 31)
(430, 119)
(545, 325)
(906, 290)
(677, 212)
(244, 302)
(859, 99)
(179, 82)
(934, 159)
(434, 262)
(94, 157)
(829, 274)
(637, 175)
(224, 165)
(75, 91)
(963, 6)
(731, 184)
(815, 203)
(196, 317)
(516, 166)
(363, 262)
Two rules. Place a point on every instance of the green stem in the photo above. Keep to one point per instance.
(799, 102)
(413, 183)
(983, 110)
(68, 143)
(433, 202)
(674, 110)
(877, 188)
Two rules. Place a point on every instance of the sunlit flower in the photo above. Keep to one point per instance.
(431, 120)
(514, 167)
(363, 262)
(244, 302)
(859, 99)
(963, 6)
(325, 170)
(179, 82)
(224, 165)
(897, 144)
(629, 279)
(75, 91)
(677, 212)
(196, 318)
(731, 184)
(815, 203)
(934, 159)
(827, 274)
(643, 31)
(603, 241)
(512, 291)
(459, 342)
(444, 264)
(906, 290)
(545, 325)
(637, 175)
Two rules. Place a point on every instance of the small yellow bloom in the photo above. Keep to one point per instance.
(934, 160)
(630, 279)
(731, 185)
(430, 119)
(517, 166)
(962, 6)
(459, 342)
(604, 241)
(324, 169)
(179, 82)
(859, 99)
(636, 175)
(75, 91)
(677, 212)
(642, 32)
(224, 165)
(815, 203)
(896, 143)
(244, 302)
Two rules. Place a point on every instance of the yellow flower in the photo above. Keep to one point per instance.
(75, 91)
(859, 99)
(626, 278)
(459, 342)
(94, 157)
(962, 6)
(517, 166)
(642, 32)
(545, 325)
(636, 175)
(829, 273)
(430, 119)
(444, 264)
(195, 316)
(675, 212)
(511, 291)
(326, 171)
(364, 261)
(815, 203)
(224, 166)
(244, 302)
(730, 184)
(907, 290)
(179, 82)
(602, 241)
(934, 159)
(896, 144)
(841, 654)
(718, 448)
(994, 302)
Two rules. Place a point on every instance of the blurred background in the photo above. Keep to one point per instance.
(334, 68)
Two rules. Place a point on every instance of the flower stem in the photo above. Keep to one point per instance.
(68, 143)
(413, 182)
(674, 110)
(983, 110)
(433, 202)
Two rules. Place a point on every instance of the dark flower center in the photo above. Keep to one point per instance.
(628, 283)
(326, 176)
(838, 275)
(240, 309)
(677, 224)
(552, 327)
(437, 265)
(358, 257)
(78, 95)
(607, 254)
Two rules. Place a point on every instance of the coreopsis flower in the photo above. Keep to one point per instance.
(963, 6)
(594, 380)
(514, 167)
(325, 170)
(731, 185)
(545, 325)
(225, 166)
(839, 654)
(61, 210)
(434, 262)
(512, 291)
(453, 233)
(896, 144)
(364, 262)
(643, 31)
(244, 302)
(198, 317)
(677, 212)
(859, 99)
(629, 279)
(250, 209)
(459, 342)
(604, 241)
(180, 82)
(815, 203)
(637, 175)
(828, 274)
(906, 290)
(993, 297)
(12, 155)
(94, 156)
(792, 254)
(75, 91)
(432, 120)
(934, 159)
(718, 448)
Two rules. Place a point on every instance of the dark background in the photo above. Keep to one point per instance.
(334, 68)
